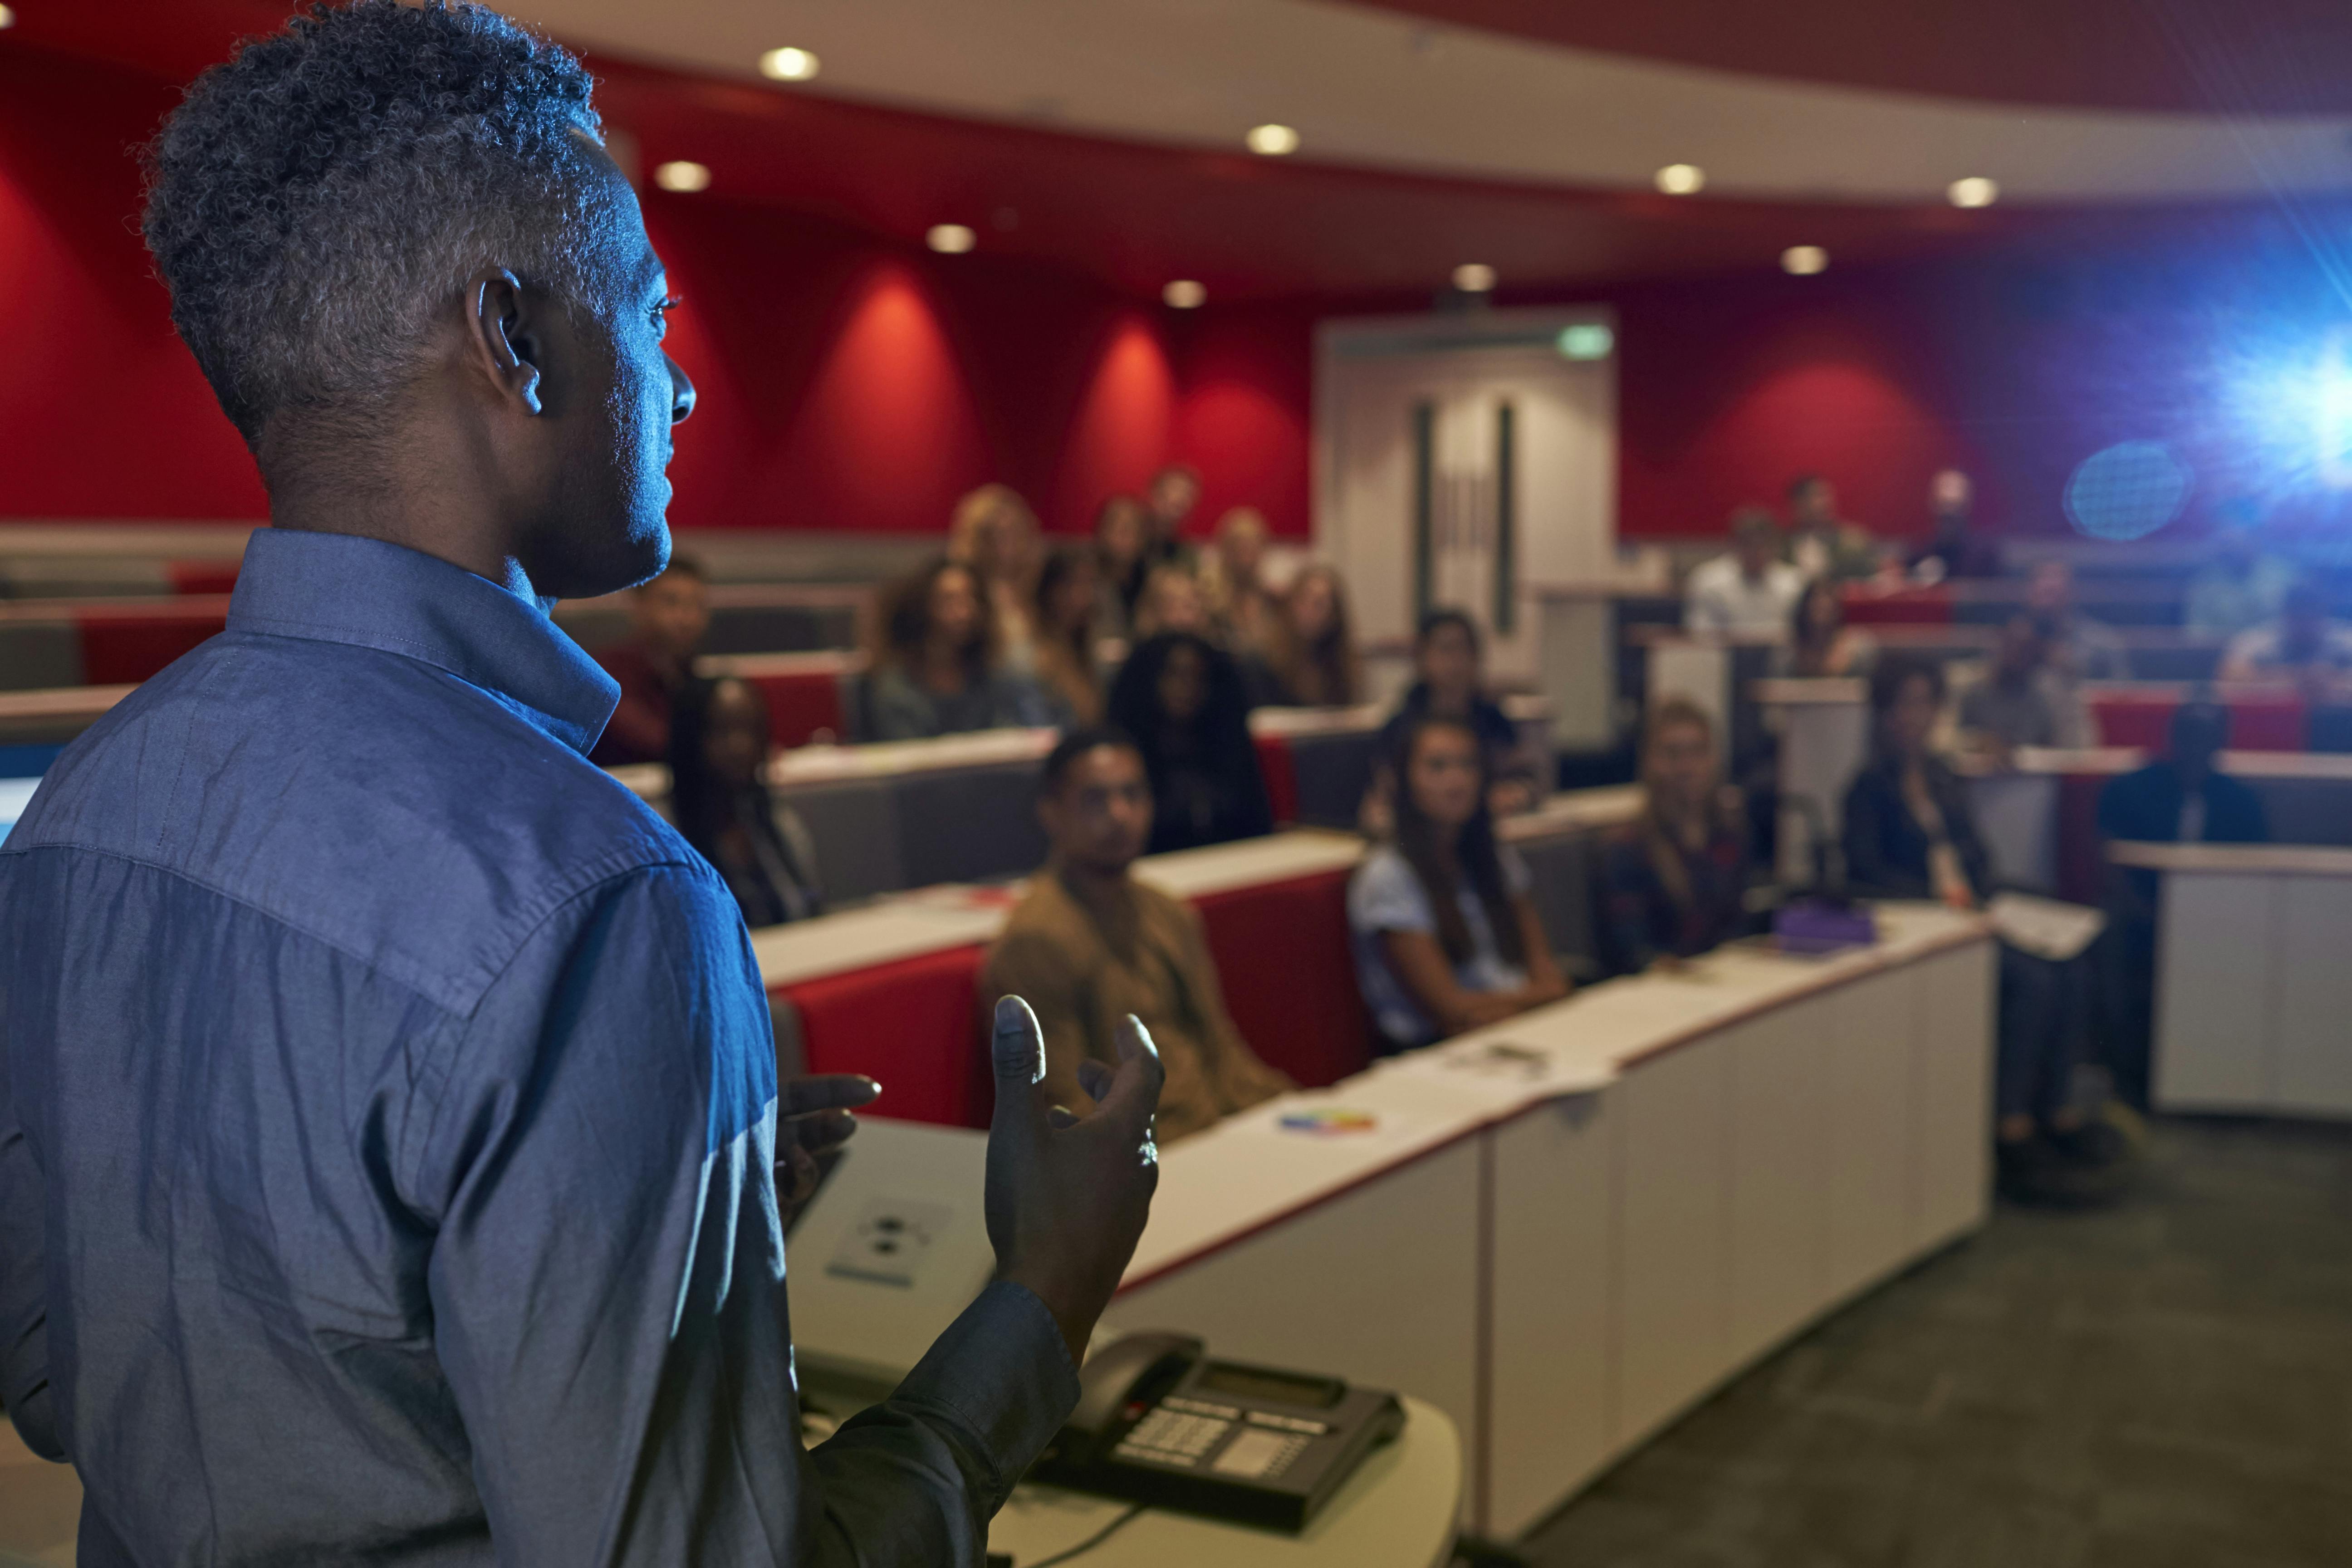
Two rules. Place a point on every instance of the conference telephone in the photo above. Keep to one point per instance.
(1160, 1422)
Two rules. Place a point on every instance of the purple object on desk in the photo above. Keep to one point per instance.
(1811, 927)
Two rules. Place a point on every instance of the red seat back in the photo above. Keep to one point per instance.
(1289, 976)
(912, 1026)
(1281, 776)
(799, 704)
(122, 644)
(1906, 606)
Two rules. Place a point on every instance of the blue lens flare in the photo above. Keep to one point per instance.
(2127, 490)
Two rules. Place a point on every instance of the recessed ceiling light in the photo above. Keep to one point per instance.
(1976, 191)
(1474, 278)
(1804, 260)
(787, 65)
(7, 17)
(683, 175)
(950, 238)
(1681, 179)
(1183, 294)
(1272, 140)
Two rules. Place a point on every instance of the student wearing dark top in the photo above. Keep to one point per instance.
(669, 617)
(1184, 702)
(1068, 591)
(1449, 668)
(2010, 707)
(1910, 833)
(718, 743)
(2179, 798)
(1674, 884)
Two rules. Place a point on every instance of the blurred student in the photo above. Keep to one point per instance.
(718, 743)
(1088, 946)
(1746, 593)
(1167, 502)
(937, 673)
(2240, 588)
(1171, 601)
(2305, 646)
(1249, 614)
(2012, 705)
(1066, 606)
(1448, 661)
(1182, 701)
(2077, 646)
(1953, 549)
(1446, 936)
(2179, 798)
(1675, 883)
(1121, 533)
(1821, 644)
(1821, 543)
(669, 617)
(1910, 833)
(994, 535)
(1318, 666)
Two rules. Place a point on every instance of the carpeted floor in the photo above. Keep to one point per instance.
(2165, 1383)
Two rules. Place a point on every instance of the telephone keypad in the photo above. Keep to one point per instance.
(1173, 1437)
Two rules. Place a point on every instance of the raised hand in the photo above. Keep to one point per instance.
(812, 1119)
(1067, 1195)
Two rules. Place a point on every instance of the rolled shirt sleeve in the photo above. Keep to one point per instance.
(607, 1278)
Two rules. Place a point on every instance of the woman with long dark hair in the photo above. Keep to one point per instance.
(718, 743)
(1314, 648)
(936, 670)
(1067, 593)
(1182, 700)
(1446, 936)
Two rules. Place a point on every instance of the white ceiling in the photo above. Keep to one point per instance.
(1371, 89)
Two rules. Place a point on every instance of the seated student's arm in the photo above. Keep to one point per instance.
(1867, 868)
(592, 1150)
(1704, 613)
(1417, 960)
(1545, 982)
(1030, 964)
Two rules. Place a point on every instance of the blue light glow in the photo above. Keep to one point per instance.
(2127, 490)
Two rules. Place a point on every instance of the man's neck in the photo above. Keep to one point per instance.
(307, 497)
(1098, 888)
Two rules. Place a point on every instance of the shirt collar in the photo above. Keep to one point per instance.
(340, 587)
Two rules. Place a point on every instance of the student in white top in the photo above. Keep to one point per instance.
(2304, 645)
(1747, 593)
(1446, 934)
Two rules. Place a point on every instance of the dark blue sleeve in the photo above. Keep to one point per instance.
(24, 1280)
(608, 1277)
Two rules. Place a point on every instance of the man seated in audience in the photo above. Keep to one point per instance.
(2012, 706)
(2179, 798)
(938, 671)
(2076, 647)
(1749, 591)
(2241, 587)
(1088, 946)
(1819, 542)
(1674, 884)
(1174, 491)
(2305, 646)
(1448, 661)
(1445, 933)
(1953, 548)
(671, 615)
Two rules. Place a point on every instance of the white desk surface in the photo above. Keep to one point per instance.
(1573, 810)
(1362, 719)
(1396, 1511)
(2242, 860)
(1251, 1170)
(822, 661)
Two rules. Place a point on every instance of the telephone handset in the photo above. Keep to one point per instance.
(1160, 1422)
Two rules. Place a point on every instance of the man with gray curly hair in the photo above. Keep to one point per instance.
(392, 1160)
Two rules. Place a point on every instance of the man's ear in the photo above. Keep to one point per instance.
(504, 340)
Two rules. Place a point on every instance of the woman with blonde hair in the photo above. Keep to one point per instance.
(1316, 652)
(994, 535)
(1675, 883)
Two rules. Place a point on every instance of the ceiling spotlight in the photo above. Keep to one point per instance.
(1272, 140)
(950, 238)
(787, 65)
(1681, 179)
(1474, 278)
(1976, 191)
(7, 17)
(1183, 294)
(683, 175)
(1804, 260)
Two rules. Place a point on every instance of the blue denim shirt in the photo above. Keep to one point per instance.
(387, 1115)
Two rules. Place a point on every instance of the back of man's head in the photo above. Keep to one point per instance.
(312, 201)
